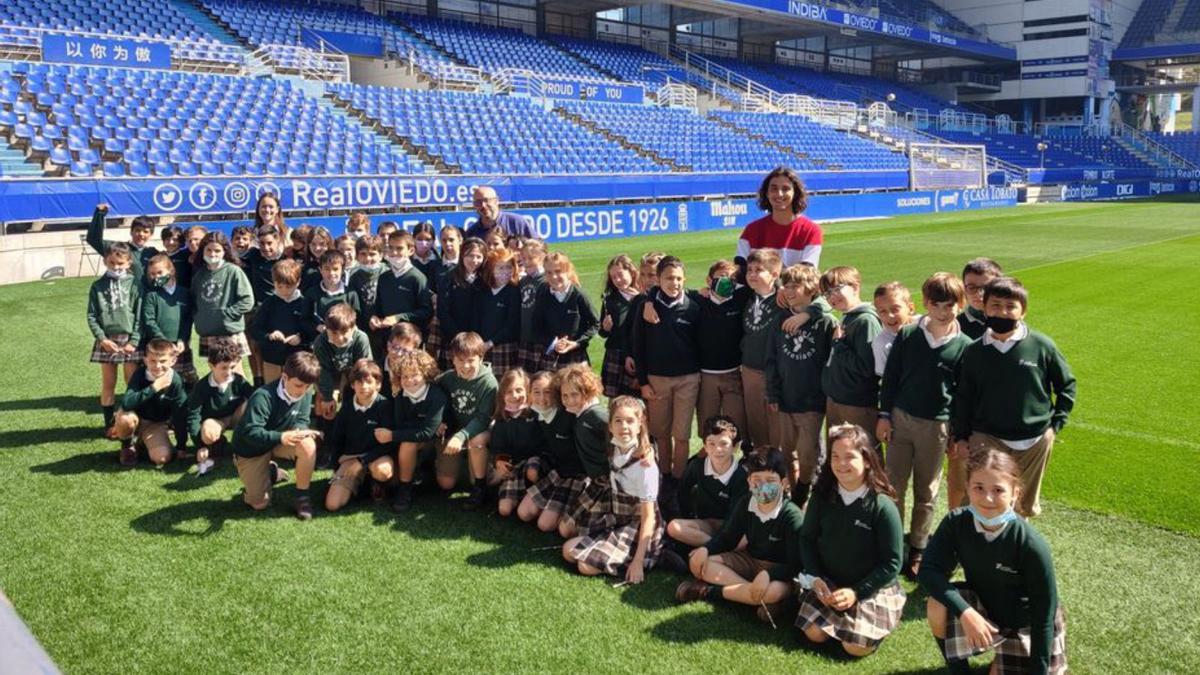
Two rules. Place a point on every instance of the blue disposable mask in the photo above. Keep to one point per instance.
(767, 493)
(1002, 519)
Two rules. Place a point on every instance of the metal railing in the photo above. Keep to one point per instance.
(458, 78)
(1152, 147)
(308, 63)
(25, 43)
(676, 95)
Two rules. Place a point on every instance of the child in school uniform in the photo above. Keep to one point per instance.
(275, 426)
(167, 314)
(141, 230)
(470, 390)
(850, 384)
(417, 412)
(176, 249)
(1014, 393)
(114, 315)
(331, 291)
(458, 294)
(711, 484)
(533, 256)
(319, 243)
(402, 291)
(720, 335)
(345, 245)
(647, 280)
(516, 442)
(425, 256)
(794, 364)
(622, 535)
(278, 325)
(358, 453)
(667, 355)
(620, 290)
(154, 405)
(299, 237)
(216, 404)
(241, 240)
(579, 389)
(364, 282)
(1008, 601)
(221, 295)
(893, 303)
(914, 405)
(498, 311)
(259, 265)
(358, 225)
(761, 573)
(451, 239)
(386, 228)
(565, 320)
(759, 321)
(337, 350)
(850, 545)
(976, 275)
(546, 501)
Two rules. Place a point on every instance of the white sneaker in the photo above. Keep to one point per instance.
(204, 467)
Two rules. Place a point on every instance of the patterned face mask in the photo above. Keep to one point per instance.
(767, 493)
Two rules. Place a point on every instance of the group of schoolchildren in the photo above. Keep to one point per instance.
(466, 364)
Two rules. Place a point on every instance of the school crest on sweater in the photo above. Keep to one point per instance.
(464, 401)
(211, 290)
(528, 295)
(800, 346)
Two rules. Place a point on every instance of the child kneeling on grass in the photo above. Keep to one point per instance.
(275, 426)
(153, 403)
(516, 443)
(712, 481)
(850, 545)
(546, 501)
(1009, 600)
(417, 411)
(623, 531)
(471, 393)
(356, 448)
(216, 403)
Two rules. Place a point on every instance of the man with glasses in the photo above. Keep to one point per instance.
(487, 205)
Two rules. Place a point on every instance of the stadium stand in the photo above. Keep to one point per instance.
(1185, 143)
(623, 62)
(821, 147)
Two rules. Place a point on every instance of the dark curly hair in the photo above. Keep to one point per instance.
(876, 477)
(799, 196)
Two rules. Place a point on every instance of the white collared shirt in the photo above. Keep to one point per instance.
(419, 396)
(990, 535)
(281, 391)
(1003, 346)
(296, 295)
(220, 386)
(881, 347)
(628, 294)
(340, 288)
(933, 342)
(848, 496)
(365, 408)
(561, 297)
(637, 479)
(769, 515)
(712, 473)
(548, 417)
(668, 301)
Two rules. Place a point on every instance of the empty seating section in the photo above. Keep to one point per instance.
(821, 146)
(682, 137)
(494, 49)
(626, 62)
(1189, 20)
(1184, 143)
(1061, 152)
(274, 23)
(1147, 22)
(491, 134)
(157, 19)
(142, 122)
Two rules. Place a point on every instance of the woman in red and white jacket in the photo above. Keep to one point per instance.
(797, 237)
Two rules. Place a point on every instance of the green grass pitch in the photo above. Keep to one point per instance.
(162, 571)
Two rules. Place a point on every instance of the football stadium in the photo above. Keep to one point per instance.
(581, 336)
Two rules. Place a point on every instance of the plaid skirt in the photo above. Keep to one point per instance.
(503, 358)
(239, 339)
(612, 374)
(186, 366)
(553, 361)
(865, 624)
(119, 356)
(609, 537)
(529, 356)
(1011, 646)
(556, 493)
(515, 487)
(433, 340)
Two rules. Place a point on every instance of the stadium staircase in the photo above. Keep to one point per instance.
(576, 118)
(208, 23)
(759, 138)
(434, 163)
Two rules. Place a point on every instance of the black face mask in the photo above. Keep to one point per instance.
(1000, 325)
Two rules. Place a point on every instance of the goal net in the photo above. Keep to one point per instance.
(935, 166)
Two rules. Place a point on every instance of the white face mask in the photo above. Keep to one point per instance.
(117, 274)
(503, 277)
(214, 261)
(397, 262)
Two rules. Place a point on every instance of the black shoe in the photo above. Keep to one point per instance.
(477, 497)
(403, 499)
(912, 565)
(304, 508)
(671, 561)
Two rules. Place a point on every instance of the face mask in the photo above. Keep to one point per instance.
(354, 236)
(722, 287)
(274, 257)
(214, 260)
(1000, 325)
(423, 247)
(999, 520)
(503, 278)
(767, 492)
(117, 274)
(513, 409)
(396, 261)
(160, 281)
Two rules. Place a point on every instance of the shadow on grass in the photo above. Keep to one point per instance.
(93, 462)
(64, 403)
(215, 512)
(23, 438)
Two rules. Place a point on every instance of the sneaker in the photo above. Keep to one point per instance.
(278, 475)
(127, 456)
(403, 499)
(672, 562)
(476, 499)
(204, 466)
(304, 509)
(912, 565)
(691, 591)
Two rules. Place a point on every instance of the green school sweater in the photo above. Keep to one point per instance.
(168, 405)
(919, 379)
(418, 422)
(776, 541)
(970, 321)
(406, 297)
(207, 402)
(856, 545)
(560, 451)
(795, 363)
(220, 300)
(702, 496)
(471, 402)
(1013, 576)
(498, 315)
(259, 269)
(336, 360)
(364, 281)
(353, 431)
(115, 308)
(518, 437)
(167, 316)
(1013, 396)
(318, 302)
(277, 314)
(267, 416)
(591, 440)
(574, 317)
(614, 305)
(529, 286)
(759, 319)
(849, 377)
(139, 256)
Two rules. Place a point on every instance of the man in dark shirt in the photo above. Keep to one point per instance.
(487, 205)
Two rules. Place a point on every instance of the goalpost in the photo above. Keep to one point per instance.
(934, 166)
